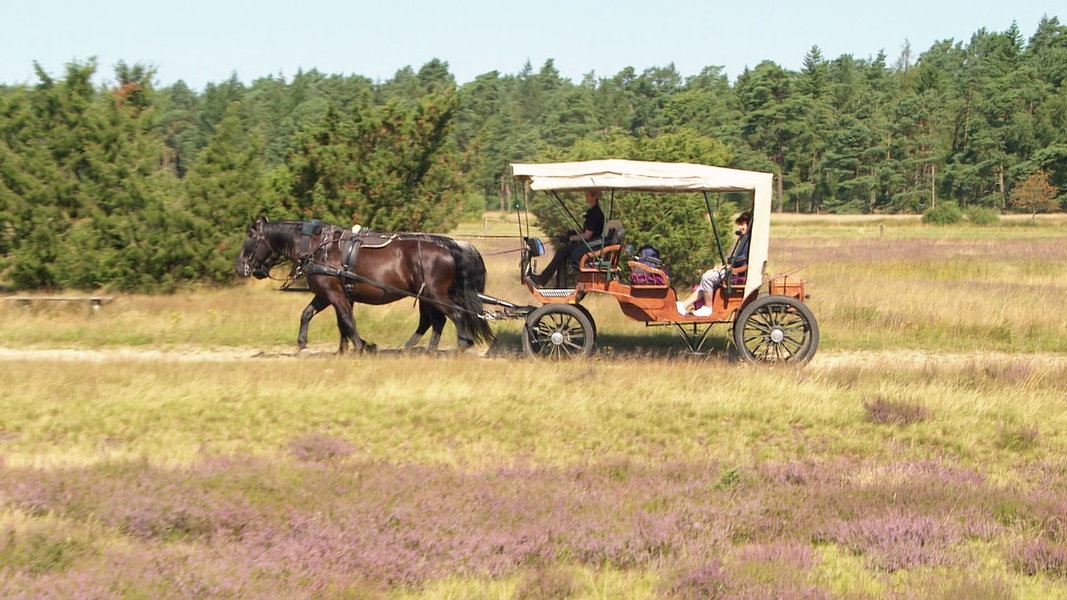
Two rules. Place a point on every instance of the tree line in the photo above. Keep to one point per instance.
(139, 187)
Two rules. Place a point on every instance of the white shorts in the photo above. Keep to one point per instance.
(711, 279)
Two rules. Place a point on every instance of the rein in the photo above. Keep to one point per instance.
(500, 252)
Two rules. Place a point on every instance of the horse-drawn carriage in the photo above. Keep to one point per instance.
(769, 320)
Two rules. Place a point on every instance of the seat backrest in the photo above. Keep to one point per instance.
(643, 274)
(604, 252)
(613, 232)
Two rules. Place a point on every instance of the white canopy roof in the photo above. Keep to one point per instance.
(645, 176)
(639, 175)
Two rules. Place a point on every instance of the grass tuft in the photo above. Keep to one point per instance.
(319, 447)
(1019, 439)
(546, 583)
(884, 411)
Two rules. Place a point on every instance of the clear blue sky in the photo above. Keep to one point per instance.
(202, 41)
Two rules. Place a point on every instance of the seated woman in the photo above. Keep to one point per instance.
(736, 264)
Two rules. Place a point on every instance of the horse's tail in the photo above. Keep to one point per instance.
(468, 284)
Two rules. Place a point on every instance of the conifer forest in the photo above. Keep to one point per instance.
(134, 186)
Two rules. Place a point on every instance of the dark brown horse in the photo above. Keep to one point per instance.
(342, 267)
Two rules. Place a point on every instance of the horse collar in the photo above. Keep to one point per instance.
(307, 230)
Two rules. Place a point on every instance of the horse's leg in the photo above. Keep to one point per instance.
(438, 321)
(429, 316)
(455, 314)
(317, 304)
(361, 344)
(346, 322)
(425, 322)
(463, 338)
(346, 327)
(439, 316)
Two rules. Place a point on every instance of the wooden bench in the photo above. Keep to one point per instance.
(94, 302)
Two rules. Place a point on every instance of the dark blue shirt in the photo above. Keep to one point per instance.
(739, 255)
(594, 221)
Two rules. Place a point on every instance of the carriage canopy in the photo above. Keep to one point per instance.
(647, 176)
(638, 175)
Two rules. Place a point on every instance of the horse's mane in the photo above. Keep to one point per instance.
(281, 234)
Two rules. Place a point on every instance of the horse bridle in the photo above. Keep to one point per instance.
(271, 260)
(262, 265)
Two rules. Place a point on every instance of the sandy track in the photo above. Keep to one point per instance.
(126, 354)
(822, 360)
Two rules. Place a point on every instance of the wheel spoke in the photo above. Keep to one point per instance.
(570, 346)
(778, 331)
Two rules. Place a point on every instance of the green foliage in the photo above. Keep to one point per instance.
(96, 182)
(982, 216)
(393, 167)
(945, 213)
(88, 209)
(99, 190)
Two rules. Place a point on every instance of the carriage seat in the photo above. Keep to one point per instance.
(645, 275)
(735, 283)
(605, 252)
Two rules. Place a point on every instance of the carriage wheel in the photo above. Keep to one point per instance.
(589, 316)
(776, 329)
(559, 331)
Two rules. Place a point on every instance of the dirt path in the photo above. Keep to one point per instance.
(125, 354)
(823, 360)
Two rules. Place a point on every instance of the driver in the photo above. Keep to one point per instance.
(576, 243)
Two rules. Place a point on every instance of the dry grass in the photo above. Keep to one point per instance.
(876, 283)
(225, 467)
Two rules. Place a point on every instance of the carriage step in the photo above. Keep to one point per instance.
(555, 292)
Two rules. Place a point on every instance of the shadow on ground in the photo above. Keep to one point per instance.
(508, 345)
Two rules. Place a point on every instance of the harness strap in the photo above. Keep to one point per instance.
(351, 254)
(422, 269)
(315, 268)
(310, 266)
(381, 240)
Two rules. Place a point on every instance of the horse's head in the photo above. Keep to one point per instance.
(257, 257)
